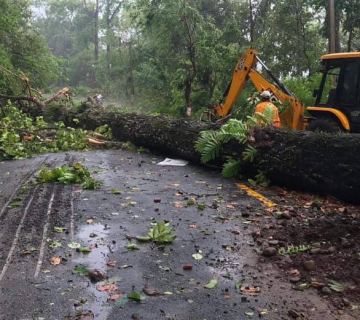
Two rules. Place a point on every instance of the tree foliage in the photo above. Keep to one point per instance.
(23, 49)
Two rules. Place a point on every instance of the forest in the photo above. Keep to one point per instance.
(124, 49)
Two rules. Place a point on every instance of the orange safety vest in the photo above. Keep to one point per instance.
(261, 108)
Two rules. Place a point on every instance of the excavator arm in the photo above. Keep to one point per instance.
(292, 117)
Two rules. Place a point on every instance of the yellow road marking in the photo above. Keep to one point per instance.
(256, 195)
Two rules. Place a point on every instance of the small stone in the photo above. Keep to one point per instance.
(326, 290)
(245, 215)
(157, 200)
(295, 279)
(346, 302)
(294, 314)
(286, 215)
(316, 205)
(309, 265)
(187, 267)
(135, 316)
(93, 235)
(332, 250)
(315, 251)
(269, 252)
(273, 242)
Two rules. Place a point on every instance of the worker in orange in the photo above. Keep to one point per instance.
(260, 108)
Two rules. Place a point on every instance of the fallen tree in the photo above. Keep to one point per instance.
(318, 162)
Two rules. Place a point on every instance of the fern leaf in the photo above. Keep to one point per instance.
(249, 154)
(232, 168)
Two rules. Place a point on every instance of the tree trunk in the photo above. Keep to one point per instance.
(301, 160)
(96, 32)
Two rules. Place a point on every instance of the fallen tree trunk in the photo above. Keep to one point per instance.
(317, 162)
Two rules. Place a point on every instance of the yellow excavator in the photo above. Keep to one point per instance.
(336, 106)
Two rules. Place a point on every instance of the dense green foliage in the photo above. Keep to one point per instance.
(22, 48)
(173, 54)
(163, 56)
(15, 126)
(76, 173)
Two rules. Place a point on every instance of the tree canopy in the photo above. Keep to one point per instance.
(167, 55)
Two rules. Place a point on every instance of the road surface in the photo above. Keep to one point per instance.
(31, 287)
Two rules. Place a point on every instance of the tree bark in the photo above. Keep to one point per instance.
(96, 32)
(317, 162)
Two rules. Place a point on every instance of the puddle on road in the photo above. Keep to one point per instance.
(96, 259)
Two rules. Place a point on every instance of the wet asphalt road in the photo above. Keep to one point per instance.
(32, 288)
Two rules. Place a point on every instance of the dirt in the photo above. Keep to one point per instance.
(34, 286)
(330, 231)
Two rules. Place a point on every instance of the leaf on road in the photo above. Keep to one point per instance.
(121, 301)
(55, 261)
(111, 263)
(107, 288)
(89, 221)
(59, 229)
(250, 291)
(81, 270)
(74, 245)
(84, 250)
(152, 292)
(113, 297)
(114, 280)
(132, 247)
(192, 226)
(211, 285)
(197, 256)
(135, 296)
(29, 251)
(178, 204)
(55, 244)
(164, 268)
(114, 191)
(249, 314)
(336, 286)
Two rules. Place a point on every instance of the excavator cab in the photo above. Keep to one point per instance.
(337, 106)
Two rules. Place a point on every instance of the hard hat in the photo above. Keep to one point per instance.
(265, 94)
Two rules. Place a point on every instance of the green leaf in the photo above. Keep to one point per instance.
(55, 244)
(201, 206)
(238, 285)
(113, 191)
(74, 245)
(59, 229)
(164, 268)
(132, 247)
(84, 249)
(15, 204)
(135, 296)
(336, 286)
(231, 169)
(197, 256)
(143, 239)
(249, 314)
(81, 270)
(211, 285)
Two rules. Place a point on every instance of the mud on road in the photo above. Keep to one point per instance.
(38, 222)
